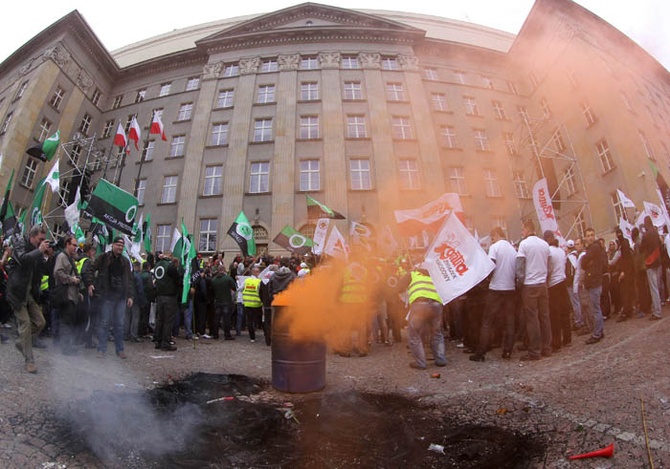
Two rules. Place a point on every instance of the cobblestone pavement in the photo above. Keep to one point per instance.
(580, 399)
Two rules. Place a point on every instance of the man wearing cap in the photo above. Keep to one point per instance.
(532, 271)
(116, 290)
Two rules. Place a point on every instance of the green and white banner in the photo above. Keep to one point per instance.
(113, 206)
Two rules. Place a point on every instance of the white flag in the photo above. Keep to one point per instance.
(429, 216)
(387, 241)
(655, 212)
(53, 178)
(627, 229)
(72, 211)
(545, 210)
(336, 246)
(320, 233)
(361, 235)
(456, 262)
(625, 201)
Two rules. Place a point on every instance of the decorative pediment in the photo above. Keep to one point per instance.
(313, 22)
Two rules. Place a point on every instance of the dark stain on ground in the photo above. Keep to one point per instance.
(218, 421)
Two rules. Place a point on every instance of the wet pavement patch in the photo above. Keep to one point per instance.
(221, 421)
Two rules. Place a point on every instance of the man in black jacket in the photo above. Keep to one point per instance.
(594, 264)
(23, 287)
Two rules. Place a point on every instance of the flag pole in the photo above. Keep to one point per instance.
(142, 153)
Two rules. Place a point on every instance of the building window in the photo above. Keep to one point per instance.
(75, 153)
(409, 174)
(499, 110)
(309, 91)
(448, 135)
(559, 143)
(231, 70)
(208, 230)
(141, 190)
(350, 61)
(178, 146)
(117, 102)
(185, 111)
(570, 181)
(213, 178)
(395, 92)
(266, 94)
(57, 98)
(22, 90)
(192, 83)
(402, 128)
(605, 156)
(165, 89)
(45, 130)
(141, 94)
(309, 127)
(457, 180)
(488, 83)
(96, 97)
(29, 171)
(163, 237)
(588, 114)
(85, 125)
(546, 110)
(310, 175)
(169, 194)
(470, 106)
(390, 63)
(523, 113)
(219, 134)
(309, 63)
(5, 123)
(353, 90)
(269, 65)
(481, 140)
(148, 151)
(646, 145)
(356, 127)
(520, 185)
(263, 130)
(491, 183)
(430, 74)
(459, 77)
(359, 170)
(511, 86)
(108, 129)
(510, 145)
(225, 98)
(259, 178)
(440, 102)
(619, 210)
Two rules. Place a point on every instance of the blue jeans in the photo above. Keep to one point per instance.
(596, 311)
(115, 311)
(576, 306)
(426, 316)
(654, 281)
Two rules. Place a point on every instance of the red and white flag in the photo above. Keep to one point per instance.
(120, 137)
(428, 217)
(157, 127)
(336, 246)
(134, 133)
(455, 261)
(320, 233)
(545, 210)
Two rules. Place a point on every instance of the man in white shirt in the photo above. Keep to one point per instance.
(532, 270)
(501, 296)
(559, 303)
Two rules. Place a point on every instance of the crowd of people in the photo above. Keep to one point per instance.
(536, 298)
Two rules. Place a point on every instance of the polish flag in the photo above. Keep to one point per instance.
(120, 137)
(134, 132)
(157, 127)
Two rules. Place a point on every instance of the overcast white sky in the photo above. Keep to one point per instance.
(122, 22)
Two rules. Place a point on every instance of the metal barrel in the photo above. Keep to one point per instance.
(297, 365)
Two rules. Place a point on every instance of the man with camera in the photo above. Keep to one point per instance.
(24, 270)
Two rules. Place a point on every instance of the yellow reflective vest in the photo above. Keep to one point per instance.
(250, 296)
(353, 286)
(80, 264)
(422, 286)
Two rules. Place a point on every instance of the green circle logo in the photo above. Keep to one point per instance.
(245, 231)
(297, 240)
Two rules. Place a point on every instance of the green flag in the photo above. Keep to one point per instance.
(243, 234)
(316, 210)
(114, 206)
(146, 230)
(36, 207)
(294, 241)
(5, 217)
(188, 262)
(47, 149)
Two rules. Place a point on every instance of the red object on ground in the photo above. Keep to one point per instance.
(606, 452)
